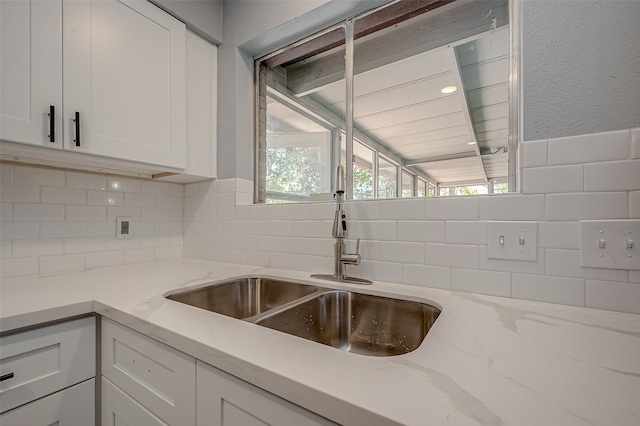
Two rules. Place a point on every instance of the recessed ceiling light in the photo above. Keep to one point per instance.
(472, 143)
(448, 89)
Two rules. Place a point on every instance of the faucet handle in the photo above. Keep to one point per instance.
(357, 245)
(352, 258)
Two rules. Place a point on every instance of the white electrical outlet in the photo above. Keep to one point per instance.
(610, 244)
(123, 227)
(513, 240)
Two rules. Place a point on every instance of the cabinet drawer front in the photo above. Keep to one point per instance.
(73, 406)
(118, 408)
(159, 377)
(45, 360)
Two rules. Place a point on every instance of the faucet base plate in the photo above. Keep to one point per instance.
(351, 280)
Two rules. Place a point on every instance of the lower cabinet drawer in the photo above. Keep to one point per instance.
(74, 406)
(41, 361)
(118, 408)
(158, 377)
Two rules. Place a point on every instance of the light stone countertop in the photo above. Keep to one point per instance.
(487, 360)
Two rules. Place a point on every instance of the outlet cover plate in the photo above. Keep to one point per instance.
(612, 235)
(519, 240)
(123, 227)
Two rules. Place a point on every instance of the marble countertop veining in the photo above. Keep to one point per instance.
(487, 360)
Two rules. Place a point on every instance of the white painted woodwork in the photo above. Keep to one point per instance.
(124, 72)
(119, 409)
(74, 406)
(45, 360)
(159, 377)
(202, 98)
(30, 71)
(224, 400)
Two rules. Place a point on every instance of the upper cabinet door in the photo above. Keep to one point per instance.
(31, 72)
(124, 78)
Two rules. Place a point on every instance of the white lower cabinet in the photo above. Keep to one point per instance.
(74, 406)
(119, 409)
(224, 400)
(154, 381)
(40, 362)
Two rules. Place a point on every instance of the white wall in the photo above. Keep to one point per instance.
(60, 221)
(581, 67)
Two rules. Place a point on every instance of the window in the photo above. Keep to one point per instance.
(370, 93)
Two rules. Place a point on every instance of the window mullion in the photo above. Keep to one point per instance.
(348, 75)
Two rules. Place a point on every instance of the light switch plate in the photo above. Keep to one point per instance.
(603, 244)
(513, 240)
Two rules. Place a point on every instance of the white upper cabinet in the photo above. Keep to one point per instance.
(113, 69)
(31, 72)
(124, 76)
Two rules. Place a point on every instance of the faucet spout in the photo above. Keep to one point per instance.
(339, 232)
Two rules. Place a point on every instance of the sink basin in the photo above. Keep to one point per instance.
(356, 322)
(244, 297)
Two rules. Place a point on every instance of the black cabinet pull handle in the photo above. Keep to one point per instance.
(77, 121)
(52, 123)
(6, 377)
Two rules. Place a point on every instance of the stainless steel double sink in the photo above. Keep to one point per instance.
(351, 321)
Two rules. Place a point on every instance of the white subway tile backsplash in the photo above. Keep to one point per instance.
(258, 258)
(306, 228)
(512, 207)
(105, 198)
(593, 148)
(325, 211)
(635, 144)
(139, 200)
(309, 263)
(298, 211)
(582, 206)
(426, 276)
(316, 246)
(84, 245)
(282, 260)
(35, 248)
(53, 195)
(544, 180)
(280, 228)
(300, 246)
(38, 212)
(88, 181)
(634, 276)
(466, 232)
(133, 212)
(6, 173)
(451, 208)
(6, 211)
(269, 211)
(425, 231)
(173, 252)
(273, 244)
(19, 193)
(85, 213)
(543, 288)
(62, 263)
(534, 153)
(612, 176)
(38, 176)
(564, 235)
(402, 209)
(101, 229)
(138, 255)
(126, 244)
(5, 249)
(634, 205)
(375, 230)
(117, 183)
(64, 229)
(566, 263)
(168, 202)
(401, 252)
(156, 188)
(382, 271)
(613, 296)
(362, 210)
(152, 214)
(104, 258)
(454, 255)
(19, 267)
(483, 282)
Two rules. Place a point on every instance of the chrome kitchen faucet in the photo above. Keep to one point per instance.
(339, 232)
